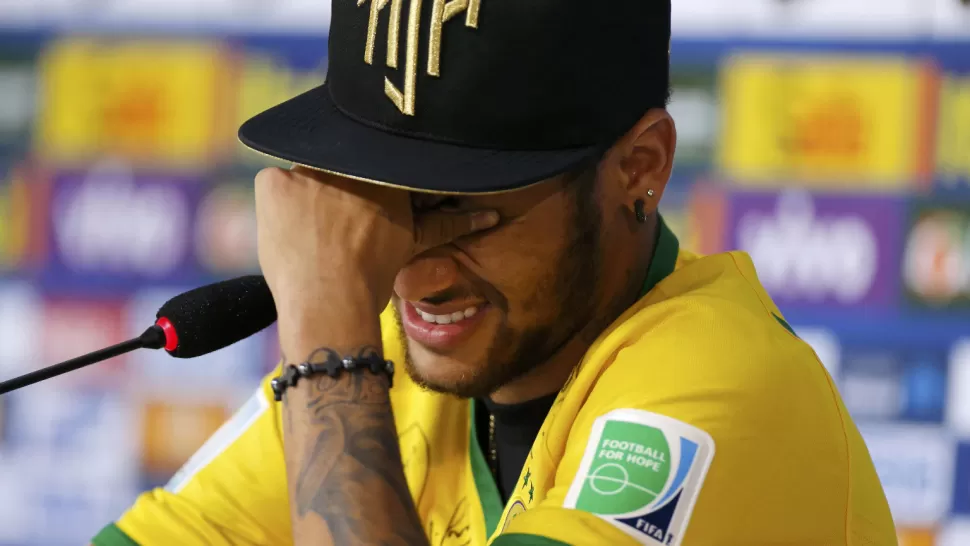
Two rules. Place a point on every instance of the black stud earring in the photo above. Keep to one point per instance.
(638, 209)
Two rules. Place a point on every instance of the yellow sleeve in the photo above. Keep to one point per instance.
(232, 492)
(704, 432)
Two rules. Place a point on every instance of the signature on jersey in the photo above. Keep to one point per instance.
(457, 532)
(416, 458)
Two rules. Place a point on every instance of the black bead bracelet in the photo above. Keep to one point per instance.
(332, 366)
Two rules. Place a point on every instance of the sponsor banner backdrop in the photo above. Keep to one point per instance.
(17, 109)
(961, 484)
(72, 327)
(173, 430)
(695, 107)
(225, 231)
(82, 423)
(901, 385)
(950, 20)
(953, 133)
(826, 345)
(916, 537)
(955, 532)
(826, 250)
(707, 210)
(21, 328)
(153, 101)
(827, 121)
(24, 206)
(957, 412)
(916, 466)
(936, 255)
(112, 230)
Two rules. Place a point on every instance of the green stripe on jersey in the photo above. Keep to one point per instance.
(523, 539)
(112, 536)
(664, 259)
(785, 324)
(488, 492)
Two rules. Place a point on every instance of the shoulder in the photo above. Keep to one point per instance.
(702, 398)
(709, 350)
(709, 326)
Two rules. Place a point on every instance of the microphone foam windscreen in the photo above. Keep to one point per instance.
(215, 316)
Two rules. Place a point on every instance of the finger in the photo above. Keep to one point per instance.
(437, 228)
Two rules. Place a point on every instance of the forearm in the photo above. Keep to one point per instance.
(344, 470)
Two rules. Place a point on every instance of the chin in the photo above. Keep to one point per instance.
(447, 374)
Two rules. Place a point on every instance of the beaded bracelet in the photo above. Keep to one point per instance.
(333, 366)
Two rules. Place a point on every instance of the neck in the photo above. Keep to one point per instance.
(551, 375)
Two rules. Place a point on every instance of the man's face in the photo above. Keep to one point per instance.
(486, 309)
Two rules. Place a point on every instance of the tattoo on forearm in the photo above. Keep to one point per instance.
(349, 471)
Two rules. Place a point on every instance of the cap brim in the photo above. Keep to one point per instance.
(309, 130)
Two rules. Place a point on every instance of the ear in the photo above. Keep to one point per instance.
(643, 158)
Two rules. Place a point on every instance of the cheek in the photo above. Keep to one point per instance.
(519, 261)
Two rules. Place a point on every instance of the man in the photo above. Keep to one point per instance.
(565, 373)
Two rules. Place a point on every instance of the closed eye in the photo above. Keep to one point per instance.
(435, 203)
(449, 204)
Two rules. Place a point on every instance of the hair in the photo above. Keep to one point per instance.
(659, 94)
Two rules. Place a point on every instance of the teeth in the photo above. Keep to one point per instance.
(449, 318)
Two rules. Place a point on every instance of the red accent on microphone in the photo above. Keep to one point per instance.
(171, 337)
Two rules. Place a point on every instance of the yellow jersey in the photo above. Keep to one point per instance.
(697, 418)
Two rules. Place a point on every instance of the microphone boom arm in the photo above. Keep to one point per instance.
(152, 338)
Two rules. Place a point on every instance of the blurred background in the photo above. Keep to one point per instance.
(828, 138)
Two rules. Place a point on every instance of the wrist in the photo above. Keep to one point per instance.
(339, 320)
(343, 334)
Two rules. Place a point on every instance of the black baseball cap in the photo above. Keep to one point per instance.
(472, 96)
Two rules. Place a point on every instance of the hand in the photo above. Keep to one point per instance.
(321, 237)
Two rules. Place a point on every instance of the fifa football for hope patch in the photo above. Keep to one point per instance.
(642, 472)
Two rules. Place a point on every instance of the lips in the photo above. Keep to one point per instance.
(442, 327)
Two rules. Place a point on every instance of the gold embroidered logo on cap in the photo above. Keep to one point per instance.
(441, 12)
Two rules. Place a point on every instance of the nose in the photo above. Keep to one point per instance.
(426, 276)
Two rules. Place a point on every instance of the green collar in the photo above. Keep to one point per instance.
(664, 256)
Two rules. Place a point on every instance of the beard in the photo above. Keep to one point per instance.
(564, 300)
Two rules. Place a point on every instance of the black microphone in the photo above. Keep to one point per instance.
(191, 324)
(215, 316)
